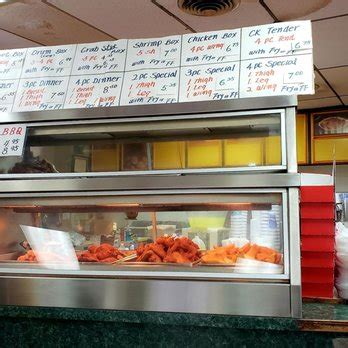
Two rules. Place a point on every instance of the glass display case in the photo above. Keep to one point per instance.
(184, 208)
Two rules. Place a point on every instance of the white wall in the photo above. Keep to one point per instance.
(341, 174)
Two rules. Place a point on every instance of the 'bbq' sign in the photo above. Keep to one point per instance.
(12, 138)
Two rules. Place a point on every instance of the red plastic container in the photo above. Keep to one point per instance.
(318, 194)
(317, 211)
(325, 290)
(317, 275)
(317, 243)
(319, 227)
(318, 259)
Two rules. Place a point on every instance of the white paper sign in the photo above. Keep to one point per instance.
(5, 108)
(100, 57)
(277, 76)
(150, 87)
(41, 94)
(211, 47)
(277, 39)
(8, 90)
(92, 91)
(49, 61)
(209, 82)
(12, 139)
(154, 53)
(11, 62)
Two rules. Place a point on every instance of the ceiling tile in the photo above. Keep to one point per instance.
(329, 37)
(334, 8)
(8, 40)
(309, 9)
(345, 99)
(46, 25)
(322, 90)
(123, 19)
(318, 103)
(248, 13)
(338, 78)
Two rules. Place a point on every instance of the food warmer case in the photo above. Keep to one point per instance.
(90, 212)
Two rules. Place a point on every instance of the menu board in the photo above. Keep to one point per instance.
(154, 53)
(209, 82)
(48, 61)
(276, 76)
(212, 47)
(40, 94)
(11, 63)
(88, 91)
(150, 87)
(266, 60)
(99, 58)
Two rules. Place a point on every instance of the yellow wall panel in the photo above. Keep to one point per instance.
(273, 150)
(301, 138)
(169, 155)
(323, 149)
(244, 152)
(105, 158)
(204, 154)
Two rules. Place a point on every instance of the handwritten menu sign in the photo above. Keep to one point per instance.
(41, 94)
(278, 39)
(154, 53)
(11, 63)
(209, 82)
(48, 61)
(100, 57)
(277, 76)
(12, 139)
(91, 91)
(211, 47)
(150, 87)
(271, 59)
(8, 90)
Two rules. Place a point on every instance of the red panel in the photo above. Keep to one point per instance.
(317, 275)
(317, 211)
(318, 227)
(317, 259)
(322, 291)
(317, 243)
(318, 194)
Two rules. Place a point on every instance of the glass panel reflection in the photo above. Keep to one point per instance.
(253, 141)
(243, 232)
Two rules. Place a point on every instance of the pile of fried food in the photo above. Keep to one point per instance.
(29, 256)
(229, 254)
(169, 250)
(105, 253)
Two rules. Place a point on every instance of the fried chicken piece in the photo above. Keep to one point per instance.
(86, 256)
(154, 257)
(140, 249)
(92, 249)
(176, 257)
(166, 241)
(223, 255)
(144, 257)
(158, 249)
